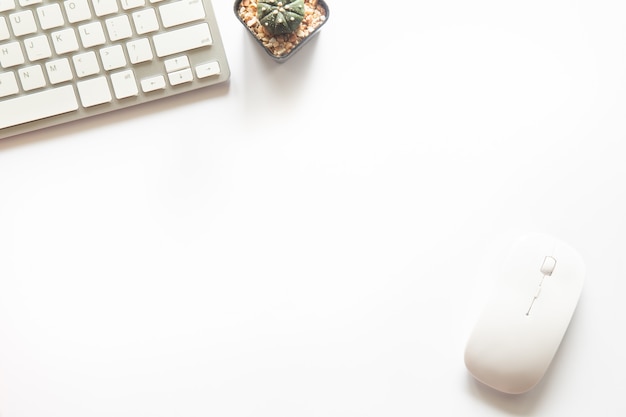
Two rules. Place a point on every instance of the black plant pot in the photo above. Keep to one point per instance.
(297, 47)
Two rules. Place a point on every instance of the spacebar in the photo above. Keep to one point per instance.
(36, 106)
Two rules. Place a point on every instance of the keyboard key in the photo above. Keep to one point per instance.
(124, 84)
(119, 28)
(132, 4)
(65, 41)
(30, 2)
(113, 57)
(6, 5)
(180, 12)
(104, 7)
(38, 48)
(94, 91)
(139, 51)
(175, 64)
(153, 83)
(180, 77)
(32, 77)
(59, 71)
(37, 106)
(208, 69)
(145, 21)
(91, 34)
(8, 84)
(50, 16)
(77, 10)
(4, 29)
(11, 55)
(86, 64)
(182, 40)
(23, 23)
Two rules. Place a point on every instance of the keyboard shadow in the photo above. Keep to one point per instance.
(120, 116)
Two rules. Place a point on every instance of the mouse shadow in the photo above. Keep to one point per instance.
(513, 404)
(527, 403)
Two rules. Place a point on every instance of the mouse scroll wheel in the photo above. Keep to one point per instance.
(547, 268)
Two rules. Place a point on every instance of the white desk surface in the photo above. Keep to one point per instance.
(316, 238)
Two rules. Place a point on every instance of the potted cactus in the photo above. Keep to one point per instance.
(282, 27)
(280, 16)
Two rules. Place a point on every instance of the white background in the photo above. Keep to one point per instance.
(316, 238)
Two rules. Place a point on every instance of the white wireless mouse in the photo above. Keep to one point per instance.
(525, 318)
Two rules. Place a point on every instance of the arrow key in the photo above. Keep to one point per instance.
(153, 83)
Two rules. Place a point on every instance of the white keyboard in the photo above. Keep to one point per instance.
(62, 61)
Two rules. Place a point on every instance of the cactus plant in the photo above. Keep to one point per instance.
(280, 16)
